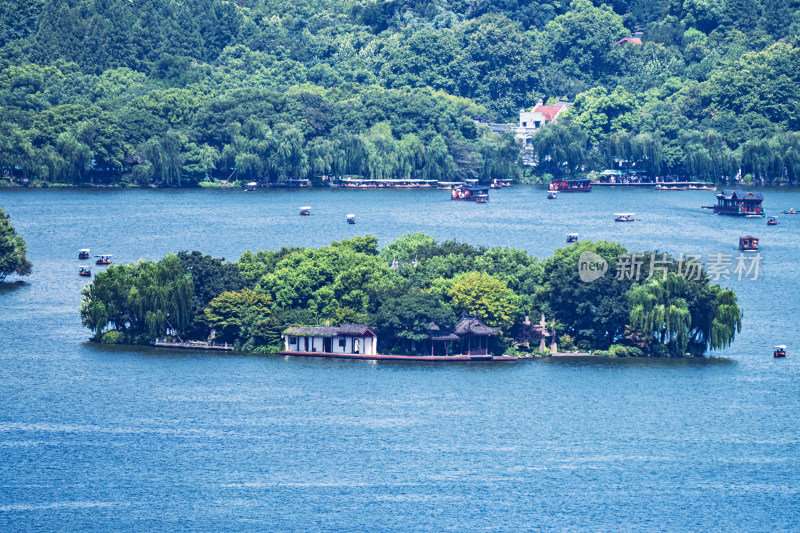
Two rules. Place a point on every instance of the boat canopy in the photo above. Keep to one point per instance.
(572, 234)
(624, 214)
(305, 207)
(351, 215)
(780, 347)
(252, 184)
(103, 255)
(83, 250)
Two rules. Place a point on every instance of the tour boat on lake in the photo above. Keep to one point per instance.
(780, 352)
(103, 260)
(83, 253)
(624, 217)
(470, 193)
(748, 244)
(85, 271)
(576, 185)
(305, 210)
(736, 202)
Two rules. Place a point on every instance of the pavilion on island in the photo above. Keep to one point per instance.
(470, 336)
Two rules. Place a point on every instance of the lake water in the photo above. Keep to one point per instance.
(109, 438)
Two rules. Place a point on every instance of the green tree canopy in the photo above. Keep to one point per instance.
(12, 250)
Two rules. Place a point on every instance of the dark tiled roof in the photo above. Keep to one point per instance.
(448, 337)
(312, 331)
(354, 329)
(473, 325)
(328, 331)
(729, 193)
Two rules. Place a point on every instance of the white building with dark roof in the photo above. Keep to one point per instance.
(347, 339)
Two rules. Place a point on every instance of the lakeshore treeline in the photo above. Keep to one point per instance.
(172, 93)
(399, 290)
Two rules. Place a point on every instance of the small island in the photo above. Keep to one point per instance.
(415, 298)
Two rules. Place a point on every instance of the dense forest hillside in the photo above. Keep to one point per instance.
(174, 92)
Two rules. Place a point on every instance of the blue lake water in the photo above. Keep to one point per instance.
(108, 438)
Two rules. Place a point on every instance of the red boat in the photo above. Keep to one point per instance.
(576, 185)
(748, 244)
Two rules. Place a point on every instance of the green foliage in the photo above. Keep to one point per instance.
(142, 300)
(12, 250)
(113, 337)
(484, 295)
(244, 316)
(173, 93)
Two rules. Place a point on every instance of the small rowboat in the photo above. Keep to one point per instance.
(780, 352)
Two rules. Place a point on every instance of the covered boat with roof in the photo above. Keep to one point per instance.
(737, 202)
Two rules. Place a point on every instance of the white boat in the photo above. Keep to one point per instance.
(624, 217)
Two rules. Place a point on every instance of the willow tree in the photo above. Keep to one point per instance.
(141, 301)
(658, 311)
(12, 250)
(684, 315)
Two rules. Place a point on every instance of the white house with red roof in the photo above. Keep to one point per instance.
(541, 114)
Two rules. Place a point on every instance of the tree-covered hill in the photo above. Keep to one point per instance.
(174, 92)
